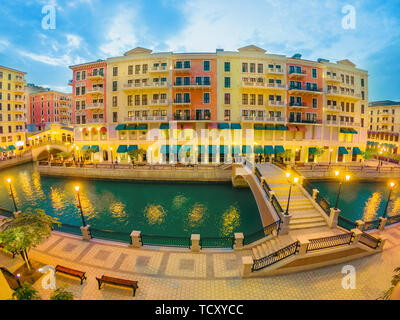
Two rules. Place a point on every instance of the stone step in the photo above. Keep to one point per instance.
(307, 225)
(296, 220)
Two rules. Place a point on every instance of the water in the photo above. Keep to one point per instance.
(174, 209)
(360, 200)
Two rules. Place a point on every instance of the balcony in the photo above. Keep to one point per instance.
(18, 109)
(181, 102)
(333, 108)
(297, 74)
(264, 118)
(192, 85)
(348, 124)
(144, 85)
(343, 94)
(275, 71)
(97, 120)
(333, 78)
(304, 90)
(19, 90)
(160, 102)
(182, 69)
(95, 90)
(295, 105)
(291, 120)
(20, 80)
(276, 86)
(274, 103)
(159, 69)
(95, 76)
(95, 106)
(332, 122)
(178, 117)
(146, 119)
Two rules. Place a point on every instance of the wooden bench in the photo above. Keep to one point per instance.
(71, 272)
(118, 282)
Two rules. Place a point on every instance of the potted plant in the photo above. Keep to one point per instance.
(25, 292)
(61, 294)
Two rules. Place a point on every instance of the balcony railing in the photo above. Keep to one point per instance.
(275, 103)
(95, 106)
(182, 68)
(291, 120)
(146, 118)
(181, 117)
(333, 78)
(298, 105)
(144, 85)
(264, 118)
(181, 101)
(159, 102)
(297, 73)
(193, 85)
(159, 69)
(275, 70)
(95, 90)
(98, 120)
(343, 93)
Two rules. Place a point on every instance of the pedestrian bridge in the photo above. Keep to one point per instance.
(40, 152)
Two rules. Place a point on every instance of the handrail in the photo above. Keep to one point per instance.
(266, 231)
(346, 223)
(393, 219)
(371, 225)
(165, 241)
(215, 242)
(330, 242)
(275, 257)
(370, 241)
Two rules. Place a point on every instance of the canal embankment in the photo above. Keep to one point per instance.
(25, 158)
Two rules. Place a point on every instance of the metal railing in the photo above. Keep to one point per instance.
(324, 204)
(258, 174)
(266, 231)
(275, 257)
(371, 225)
(165, 241)
(6, 213)
(225, 242)
(266, 189)
(393, 219)
(346, 223)
(275, 203)
(370, 241)
(111, 235)
(68, 228)
(330, 242)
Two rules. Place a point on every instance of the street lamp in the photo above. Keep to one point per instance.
(294, 181)
(12, 194)
(80, 205)
(346, 178)
(392, 185)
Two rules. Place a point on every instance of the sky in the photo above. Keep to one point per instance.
(88, 30)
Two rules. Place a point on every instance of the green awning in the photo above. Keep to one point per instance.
(351, 131)
(258, 149)
(279, 149)
(132, 148)
(281, 128)
(122, 149)
(342, 150)
(269, 150)
(95, 149)
(202, 149)
(142, 127)
(11, 147)
(130, 127)
(370, 143)
(235, 150)
(223, 126)
(356, 151)
(164, 149)
(269, 127)
(212, 149)
(1, 149)
(223, 149)
(246, 149)
(120, 127)
(312, 150)
(176, 149)
(236, 126)
(259, 127)
(84, 148)
(187, 148)
(164, 126)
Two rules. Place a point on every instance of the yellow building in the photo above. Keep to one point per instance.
(12, 109)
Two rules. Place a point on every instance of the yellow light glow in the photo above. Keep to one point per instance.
(337, 173)
(295, 179)
(392, 184)
(348, 177)
(77, 188)
(287, 174)
(8, 180)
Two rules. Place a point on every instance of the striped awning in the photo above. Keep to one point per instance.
(202, 149)
(142, 127)
(343, 150)
(11, 147)
(212, 125)
(258, 149)
(281, 127)
(95, 148)
(259, 127)
(84, 148)
(188, 126)
(122, 149)
(269, 127)
(164, 126)
(223, 149)
(130, 127)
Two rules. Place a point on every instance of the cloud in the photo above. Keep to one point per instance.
(64, 89)
(64, 60)
(73, 41)
(4, 44)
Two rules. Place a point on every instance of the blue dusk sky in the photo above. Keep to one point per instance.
(87, 30)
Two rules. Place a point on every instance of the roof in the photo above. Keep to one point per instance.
(383, 103)
(87, 63)
(11, 69)
(252, 48)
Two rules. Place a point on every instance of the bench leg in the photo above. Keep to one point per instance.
(99, 282)
(134, 291)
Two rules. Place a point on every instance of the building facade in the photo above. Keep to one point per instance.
(212, 106)
(12, 109)
(47, 107)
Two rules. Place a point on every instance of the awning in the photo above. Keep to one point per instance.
(11, 147)
(259, 127)
(212, 125)
(370, 143)
(236, 126)
(120, 127)
(212, 149)
(130, 127)
(223, 126)
(236, 150)
(103, 129)
(281, 127)
(122, 149)
(84, 148)
(269, 150)
(176, 149)
(342, 150)
(94, 129)
(269, 127)
(188, 126)
(1, 149)
(164, 149)
(141, 127)
(246, 149)
(312, 150)
(164, 126)
(95, 149)
(279, 149)
(349, 130)
(132, 148)
(258, 149)
(356, 151)
(188, 148)
(223, 149)
(202, 149)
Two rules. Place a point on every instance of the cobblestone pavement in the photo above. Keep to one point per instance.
(166, 274)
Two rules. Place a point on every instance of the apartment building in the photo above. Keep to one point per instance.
(258, 102)
(384, 125)
(48, 107)
(12, 109)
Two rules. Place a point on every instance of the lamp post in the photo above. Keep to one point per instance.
(391, 187)
(80, 205)
(12, 194)
(295, 180)
(346, 178)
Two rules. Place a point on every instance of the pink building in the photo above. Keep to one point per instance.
(49, 107)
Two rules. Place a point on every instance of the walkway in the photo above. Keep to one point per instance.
(303, 213)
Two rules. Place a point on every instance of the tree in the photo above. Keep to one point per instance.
(369, 154)
(64, 155)
(26, 231)
(88, 153)
(134, 154)
(318, 153)
(25, 292)
(288, 154)
(61, 294)
(395, 282)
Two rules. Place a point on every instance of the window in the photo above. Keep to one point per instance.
(227, 67)
(145, 67)
(115, 86)
(315, 103)
(77, 91)
(362, 109)
(83, 75)
(130, 100)
(227, 115)
(362, 82)
(115, 71)
(137, 100)
(206, 65)
(115, 116)
(137, 69)
(227, 98)
(260, 68)
(114, 101)
(245, 67)
(186, 65)
(206, 98)
(78, 76)
(252, 67)
(314, 73)
(227, 82)
(130, 70)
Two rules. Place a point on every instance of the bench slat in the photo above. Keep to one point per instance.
(119, 281)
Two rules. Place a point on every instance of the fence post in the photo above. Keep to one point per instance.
(86, 234)
(304, 242)
(247, 265)
(239, 237)
(382, 223)
(357, 235)
(360, 225)
(195, 247)
(285, 224)
(315, 193)
(136, 239)
(333, 217)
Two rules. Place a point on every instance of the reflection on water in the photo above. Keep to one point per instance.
(372, 206)
(394, 209)
(155, 214)
(154, 208)
(231, 219)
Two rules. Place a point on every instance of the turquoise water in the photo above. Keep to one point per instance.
(360, 200)
(173, 209)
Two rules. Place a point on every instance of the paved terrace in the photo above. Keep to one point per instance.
(167, 274)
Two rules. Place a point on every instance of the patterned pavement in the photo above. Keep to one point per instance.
(173, 275)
